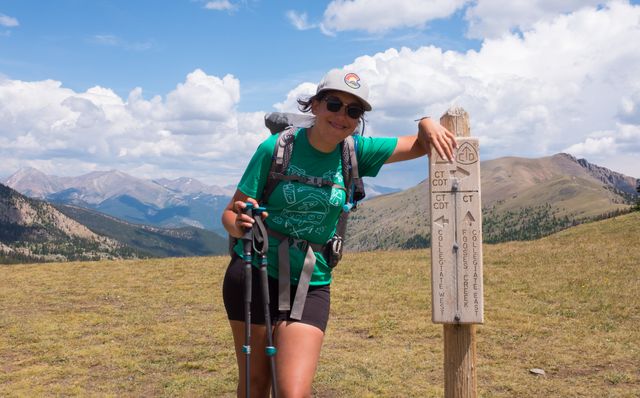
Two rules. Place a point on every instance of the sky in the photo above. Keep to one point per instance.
(180, 88)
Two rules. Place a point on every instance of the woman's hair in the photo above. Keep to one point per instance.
(304, 104)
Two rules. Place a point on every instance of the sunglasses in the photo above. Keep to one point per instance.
(335, 105)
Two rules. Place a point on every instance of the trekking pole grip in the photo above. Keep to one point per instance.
(253, 210)
(259, 210)
(248, 209)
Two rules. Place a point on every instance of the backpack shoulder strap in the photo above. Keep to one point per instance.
(350, 174)
(355, 192)
(279, 161)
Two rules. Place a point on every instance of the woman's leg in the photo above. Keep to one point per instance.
(233, 294)
(299, 347)
(260, 371)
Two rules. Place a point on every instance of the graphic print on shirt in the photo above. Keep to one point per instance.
(307, 206)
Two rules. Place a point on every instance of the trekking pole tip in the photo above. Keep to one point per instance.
(347, 207)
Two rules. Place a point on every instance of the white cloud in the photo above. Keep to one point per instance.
(533, 94)
(617, 149)
(220, 5)
(299, 20)
(290, 104)
(204, 97)
(593, 146)
(380, 16)
(486, 18)
(493, 18)
(629, 108)
(108, 40)
(115, 41)
(8, 21)
(196, 125)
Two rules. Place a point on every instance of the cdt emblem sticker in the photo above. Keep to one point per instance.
(352, 80)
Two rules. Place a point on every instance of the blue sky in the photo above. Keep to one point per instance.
(126, 44)
(169, 89)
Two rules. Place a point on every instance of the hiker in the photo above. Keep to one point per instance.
(302, 215)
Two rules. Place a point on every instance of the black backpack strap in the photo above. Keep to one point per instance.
(284, 276)
(279, 161)
(355, 192)
(352, 180)
(279, 164)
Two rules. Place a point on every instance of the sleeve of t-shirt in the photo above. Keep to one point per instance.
(372, 152)
(255, 175)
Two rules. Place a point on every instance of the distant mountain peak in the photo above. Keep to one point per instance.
(33, 182)
(191, 185)
(105, 173)
(609, 177)
(24, 172)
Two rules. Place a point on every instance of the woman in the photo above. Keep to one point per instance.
(310, 213)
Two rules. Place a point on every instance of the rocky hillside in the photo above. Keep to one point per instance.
(32, 230)
(522, 199)
(627, 185)
(148, 240)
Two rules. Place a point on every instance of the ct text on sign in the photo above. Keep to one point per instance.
(456, 236)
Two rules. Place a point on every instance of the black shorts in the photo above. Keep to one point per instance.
(316, 307)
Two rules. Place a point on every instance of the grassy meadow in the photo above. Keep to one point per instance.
(568, 304)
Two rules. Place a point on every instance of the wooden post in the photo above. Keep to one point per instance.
(456, 254)
(460, 378)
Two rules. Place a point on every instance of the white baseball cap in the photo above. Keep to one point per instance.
(348, 82)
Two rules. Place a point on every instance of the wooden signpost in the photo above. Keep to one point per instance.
(456, 254)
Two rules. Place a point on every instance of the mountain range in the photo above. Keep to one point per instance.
(521, 199)
(32, 230)
(119, 215)
(163, 202)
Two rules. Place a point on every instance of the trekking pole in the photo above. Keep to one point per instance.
(261, 246)
(247, 242)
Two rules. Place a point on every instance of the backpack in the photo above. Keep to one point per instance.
(286, 125)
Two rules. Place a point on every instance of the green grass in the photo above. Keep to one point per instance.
(568, 304)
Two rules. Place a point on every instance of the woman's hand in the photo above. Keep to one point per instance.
(433, 135)
(242, 219)
(234, 219)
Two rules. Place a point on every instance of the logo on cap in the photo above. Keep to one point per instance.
(352, 80)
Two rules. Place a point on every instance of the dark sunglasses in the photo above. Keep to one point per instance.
(335, 105)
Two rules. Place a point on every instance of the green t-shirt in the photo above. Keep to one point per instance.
(304, 211)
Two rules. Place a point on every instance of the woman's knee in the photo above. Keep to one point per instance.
(260, 385)
(293, 391)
